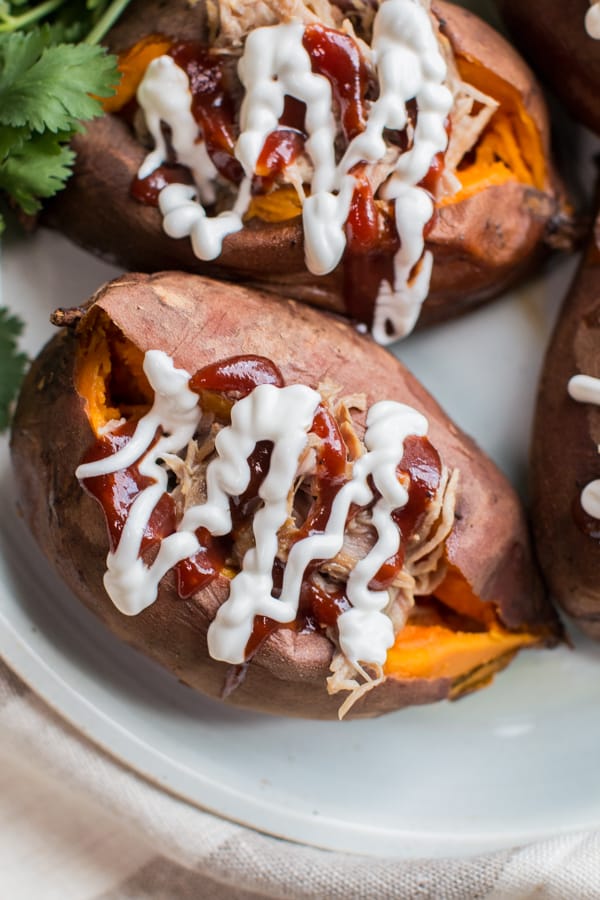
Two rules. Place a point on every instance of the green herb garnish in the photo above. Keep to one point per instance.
(12, 363)
(52, 78)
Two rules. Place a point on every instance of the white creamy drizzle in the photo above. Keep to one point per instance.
(586, 389)
(592, 20)
(409, 64)
(183, 217)
(284, 417)
(164, 95)
(129, 582)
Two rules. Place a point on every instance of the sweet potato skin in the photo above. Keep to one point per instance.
(198, 321)
(481, 245)
(564, 453)
(554, 38)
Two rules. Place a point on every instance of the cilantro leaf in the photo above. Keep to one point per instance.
(12, 363)
(50, 87)
(11, 139)
(52, 78)
(19, 51)
(37, 168)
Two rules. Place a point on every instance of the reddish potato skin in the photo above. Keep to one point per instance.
(565, 451)
(480, 245)
(198, 321)
(554, 39)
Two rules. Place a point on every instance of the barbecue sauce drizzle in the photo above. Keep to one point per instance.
(319, 607)
(372, 237)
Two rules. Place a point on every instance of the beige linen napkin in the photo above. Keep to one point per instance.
(203, 857)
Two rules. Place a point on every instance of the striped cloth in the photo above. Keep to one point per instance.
(164, 849)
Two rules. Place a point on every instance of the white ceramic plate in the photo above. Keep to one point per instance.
(512, 764)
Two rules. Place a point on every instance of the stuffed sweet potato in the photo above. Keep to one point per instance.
(565, 460)
(562, 41)
(291, 522)
(361, 164)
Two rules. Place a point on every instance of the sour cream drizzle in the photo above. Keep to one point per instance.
(275, 64)
(592, 20)
(586, 389)
(282, 415)
(164, 95)
(130, 584)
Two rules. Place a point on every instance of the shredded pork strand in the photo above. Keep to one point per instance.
(238, 17)
(423, 571)
(348, 429)
(343, 678)
(471, 113)
(190, 471)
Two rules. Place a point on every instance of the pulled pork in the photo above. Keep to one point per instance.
(236, 18)
(232, 20)
(424, 562)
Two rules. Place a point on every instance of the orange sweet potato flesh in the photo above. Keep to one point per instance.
(490, 605)
(482, 241)
(132, 65)
(564, 453)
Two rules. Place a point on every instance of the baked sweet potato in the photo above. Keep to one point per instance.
(456, 595)
(496, 198)
(565, 460)
(562, 41)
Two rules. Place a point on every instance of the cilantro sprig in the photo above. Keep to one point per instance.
(53, 76)
(12, 363)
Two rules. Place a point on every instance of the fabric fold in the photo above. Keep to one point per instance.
(197, 851)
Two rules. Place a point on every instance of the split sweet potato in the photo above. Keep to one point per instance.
(88, 382)
(565, 460)
(483, 237)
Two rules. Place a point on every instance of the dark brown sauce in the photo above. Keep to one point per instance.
(336, 56)
(318, 609)
(280, 149)
(117, 491)
(146, 190)
(372, 243)
(239, 374)
(262, 629)
(212, 104)
(243, 507)
(422, 463)
(436, 170)
(263, 626)
(331, 471)
(199, 570)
